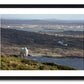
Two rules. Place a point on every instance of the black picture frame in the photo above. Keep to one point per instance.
(41, 77)
(41, 6)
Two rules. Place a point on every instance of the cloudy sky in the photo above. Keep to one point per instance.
(44, 16)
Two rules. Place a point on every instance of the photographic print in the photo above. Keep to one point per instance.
(42, 41)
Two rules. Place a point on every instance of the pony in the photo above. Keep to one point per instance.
(23, 52)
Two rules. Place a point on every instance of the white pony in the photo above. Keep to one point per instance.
(23, 52)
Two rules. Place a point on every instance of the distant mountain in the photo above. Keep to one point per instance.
(42, 22)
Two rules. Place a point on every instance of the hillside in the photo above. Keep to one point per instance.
(13, 62)
(13, 40)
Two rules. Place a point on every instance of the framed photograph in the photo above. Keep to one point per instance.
(42, 42)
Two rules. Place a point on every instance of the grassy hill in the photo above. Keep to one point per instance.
(13, 62)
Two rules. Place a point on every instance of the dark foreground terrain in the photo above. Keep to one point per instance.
(13, 62)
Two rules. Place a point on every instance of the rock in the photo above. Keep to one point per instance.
(29, 55)
(26, 64)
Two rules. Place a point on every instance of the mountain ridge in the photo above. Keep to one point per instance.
(42, 21)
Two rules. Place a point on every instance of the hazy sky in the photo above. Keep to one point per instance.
(44, 16)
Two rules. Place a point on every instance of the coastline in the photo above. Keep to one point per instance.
(68, 57)
(58, 56)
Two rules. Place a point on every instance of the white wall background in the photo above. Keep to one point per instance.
(41, 1)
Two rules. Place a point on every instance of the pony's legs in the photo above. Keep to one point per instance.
(24, 56)
(21, 55)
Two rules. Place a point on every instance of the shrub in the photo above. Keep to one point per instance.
(43, 67)
(49, 63)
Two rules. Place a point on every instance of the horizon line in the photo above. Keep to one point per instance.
(42, 19)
